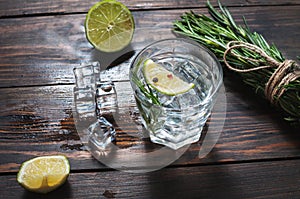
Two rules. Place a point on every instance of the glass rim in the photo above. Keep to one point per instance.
(194, 43)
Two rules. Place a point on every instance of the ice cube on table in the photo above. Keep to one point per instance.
(106, 98)
(84, 103)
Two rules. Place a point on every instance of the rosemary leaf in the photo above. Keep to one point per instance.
(147, 92)
(216, 32)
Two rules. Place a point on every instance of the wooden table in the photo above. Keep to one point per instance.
(256, 156)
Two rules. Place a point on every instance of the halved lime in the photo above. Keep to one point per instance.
(109, 26)
(44, 174)
(163, 80)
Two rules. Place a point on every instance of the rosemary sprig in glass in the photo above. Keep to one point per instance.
(216, 32)
(145, 89)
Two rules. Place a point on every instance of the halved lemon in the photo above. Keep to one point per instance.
(44, 174)
(109, 26)
(164, 81)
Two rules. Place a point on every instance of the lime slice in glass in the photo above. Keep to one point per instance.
(44, 174)
(109, 26)
(163, 80)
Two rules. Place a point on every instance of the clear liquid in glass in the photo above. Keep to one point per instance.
(179, 119)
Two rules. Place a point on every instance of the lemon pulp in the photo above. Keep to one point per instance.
(164, 81)
(44, 174)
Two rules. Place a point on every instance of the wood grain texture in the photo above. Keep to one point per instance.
(39, 7)
(44, 50)
(248, 181)
(256, 156)
(41, 119)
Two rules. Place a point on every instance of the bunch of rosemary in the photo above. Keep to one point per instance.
(216, 32)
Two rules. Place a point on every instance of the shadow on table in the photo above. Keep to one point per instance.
(62, 192)
(258, 110)
(193, 182)
(109, 60)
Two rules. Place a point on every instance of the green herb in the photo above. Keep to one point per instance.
(216, 32)
(145, 89)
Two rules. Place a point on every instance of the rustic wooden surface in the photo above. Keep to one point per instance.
(257, 155)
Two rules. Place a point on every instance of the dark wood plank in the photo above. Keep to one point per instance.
(42, 122)
(44, 50)
(257, 155)
(249, 180)
(19, 7)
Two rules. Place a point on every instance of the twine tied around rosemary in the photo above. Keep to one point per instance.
(285, 72)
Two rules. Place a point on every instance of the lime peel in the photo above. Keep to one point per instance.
(109, 26)
(164, 81)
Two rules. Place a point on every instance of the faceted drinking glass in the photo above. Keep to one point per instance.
(177, 120)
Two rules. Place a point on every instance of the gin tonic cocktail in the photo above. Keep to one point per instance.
(175, 83)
